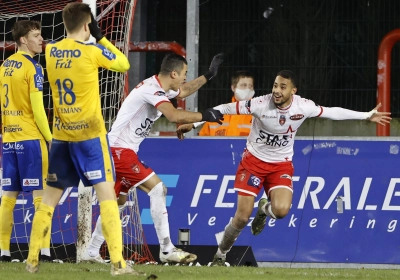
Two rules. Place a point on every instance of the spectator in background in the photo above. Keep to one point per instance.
(242, 85)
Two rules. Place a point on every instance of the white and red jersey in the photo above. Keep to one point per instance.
(273, 129)
(138, 113)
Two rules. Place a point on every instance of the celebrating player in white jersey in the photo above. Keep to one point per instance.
(143, 106)
(267, 159)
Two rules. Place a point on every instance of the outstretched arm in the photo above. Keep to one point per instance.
(181, 116)
(338, 113)
(380, 117)
(191, 87)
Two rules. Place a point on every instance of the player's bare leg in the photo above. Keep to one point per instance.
(157, 192)
(276, 208)
(244, 209)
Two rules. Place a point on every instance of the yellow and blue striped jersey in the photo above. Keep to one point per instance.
(20, 75)
(72, 69)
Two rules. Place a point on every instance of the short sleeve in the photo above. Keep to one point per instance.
(155, 98)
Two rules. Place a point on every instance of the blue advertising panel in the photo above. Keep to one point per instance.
(199, 174)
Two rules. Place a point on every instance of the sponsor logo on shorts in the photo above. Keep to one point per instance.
(30, 182)
(136, 168)
(51, 177)
(286, 176)
(6, 182)
(91, 175)
(254, 181)
(118, 153)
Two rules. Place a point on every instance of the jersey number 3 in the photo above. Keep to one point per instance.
(6, 95)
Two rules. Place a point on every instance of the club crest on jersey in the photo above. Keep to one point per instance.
(242, 177)
(296, 117)
(159, 93)
(282, 119)
(254, 181)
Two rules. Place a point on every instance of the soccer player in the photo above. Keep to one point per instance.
(143, 106)
(267, 160)
(242, 86)
(80, 149)
(25, 130)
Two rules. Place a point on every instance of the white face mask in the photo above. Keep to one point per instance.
(244, 94)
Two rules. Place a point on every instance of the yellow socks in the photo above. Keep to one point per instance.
(112, 231)
(7, 221)
(41, 225)
(45, 249)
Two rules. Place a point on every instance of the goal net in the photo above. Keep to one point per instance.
(115, 19)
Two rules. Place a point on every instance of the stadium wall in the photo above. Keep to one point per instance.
(199, 174)
(311, 127)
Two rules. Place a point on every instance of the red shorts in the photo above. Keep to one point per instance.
(129, 169)
(253, 174)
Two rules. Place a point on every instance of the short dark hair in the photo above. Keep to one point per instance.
(22, 28)
(171, 62)
(240, 74)
(287, 74)
(75, 15)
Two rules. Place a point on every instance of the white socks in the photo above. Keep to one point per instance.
(268, 211)
(159, 214)
(97, 240)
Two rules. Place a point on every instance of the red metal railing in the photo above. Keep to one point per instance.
(383, 76)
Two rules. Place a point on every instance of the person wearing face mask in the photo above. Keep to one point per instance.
(242, 85)
(266, 164)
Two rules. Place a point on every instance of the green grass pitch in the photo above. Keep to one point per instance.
(69, 271)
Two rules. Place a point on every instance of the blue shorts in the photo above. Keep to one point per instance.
(89, 161)
(24, 165)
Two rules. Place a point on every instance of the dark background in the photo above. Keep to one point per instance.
(331, 45)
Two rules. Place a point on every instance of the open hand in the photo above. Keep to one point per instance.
(380, 117)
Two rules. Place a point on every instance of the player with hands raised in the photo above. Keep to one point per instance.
(266, 163)
(143, 106)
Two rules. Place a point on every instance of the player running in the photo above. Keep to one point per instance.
(267, 160)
